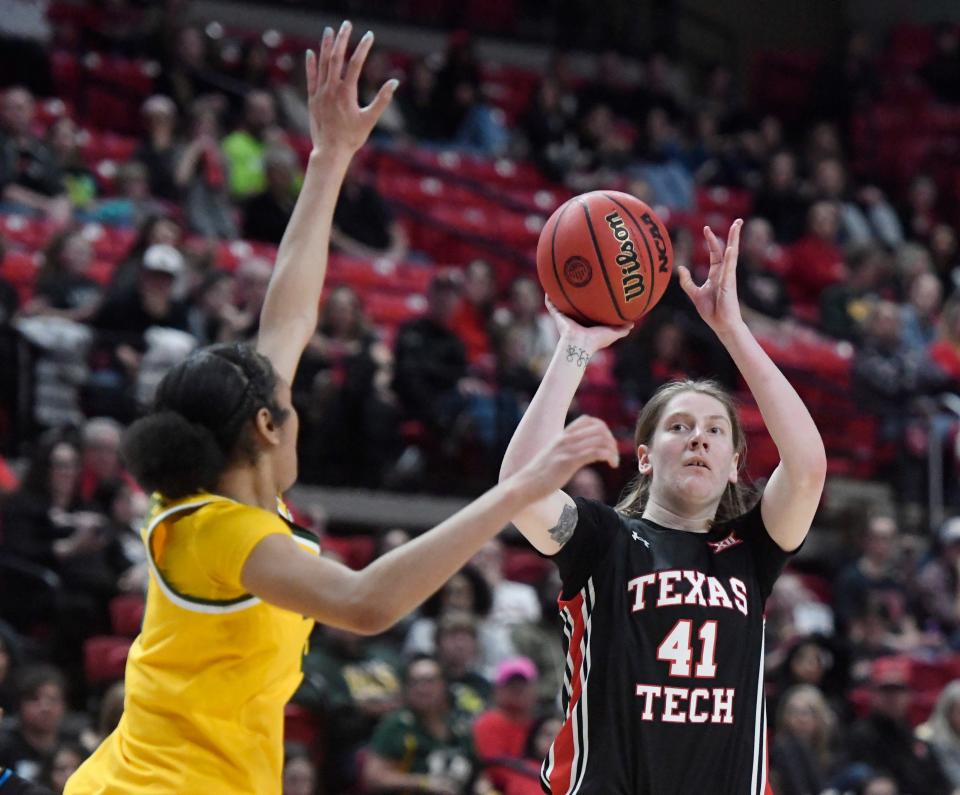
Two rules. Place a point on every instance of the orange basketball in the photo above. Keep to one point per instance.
(604, 257)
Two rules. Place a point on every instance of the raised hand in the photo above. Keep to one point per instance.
(716, 299)
(336, 118)
(591, 338)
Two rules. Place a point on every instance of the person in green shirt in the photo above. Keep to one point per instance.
(244, 148)
(425, 747)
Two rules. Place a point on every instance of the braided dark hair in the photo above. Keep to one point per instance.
(200, 420)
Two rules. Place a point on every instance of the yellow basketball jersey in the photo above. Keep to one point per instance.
(209, 675)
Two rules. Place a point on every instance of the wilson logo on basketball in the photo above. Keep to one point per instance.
(578, 271)
(632, 279)
(658, 241)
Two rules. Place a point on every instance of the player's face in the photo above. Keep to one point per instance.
(691, 457)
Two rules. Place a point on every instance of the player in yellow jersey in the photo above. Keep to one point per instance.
(234, 587)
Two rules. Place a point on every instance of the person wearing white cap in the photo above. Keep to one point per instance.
(123, 320)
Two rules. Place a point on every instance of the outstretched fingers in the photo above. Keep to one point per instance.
(318, 78)
(355, 64)
(731, 253)
(714, 245)
(686, 280)
(335, 69)
(381, 100)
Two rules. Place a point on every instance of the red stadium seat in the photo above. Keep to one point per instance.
(300, 725)
(126, 614)
(105, 658)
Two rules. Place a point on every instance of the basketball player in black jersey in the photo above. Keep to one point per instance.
(663, 598)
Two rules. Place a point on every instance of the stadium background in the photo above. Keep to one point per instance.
(153, 151)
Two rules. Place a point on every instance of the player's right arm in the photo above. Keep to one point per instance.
(280, 572)
(548, 523)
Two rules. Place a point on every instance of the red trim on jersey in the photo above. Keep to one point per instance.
(767, 789)
(563, 747)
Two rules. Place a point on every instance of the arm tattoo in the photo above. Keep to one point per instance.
(563, 530)
(578, 356)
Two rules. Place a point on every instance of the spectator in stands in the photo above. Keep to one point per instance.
(462, 115)
(525, 316)
(422, 748)
(513, 602)
(845, 306)
(878, 784)
(945, 256)
(187, 72)
(151, 231)
(660, 351)
(200, 173)
(100, 464)
(548, 128)
(921, 313)
(363, 224)
(468, 591)
(524, 778)
(474, 313)
(28, 746)
(874, 572)
(887, 377)
(762, 290)
(350, 682)
(500, 734)
(376, 71)
(816, 259)
(816, 661)
(942, 71)
(343, 387)
(885, 739)
(63, 287)
(299, 771)
(212, 315)
(266, 214)
(588, 484)
(516, 383)
(159, 145)
(254, 66)
(458, 652)
(937, 584)
(921, 211)
(252, 278)
(415, 101)
(63, 139)
(122, 323)
(246, 147)
(944, 351)
(802, 757)
(942, 731)
(29, 175)
(66, 759)
(133, 201)
(431, 375)
(866, 217)
(779, 200)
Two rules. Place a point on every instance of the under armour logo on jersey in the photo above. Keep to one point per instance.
(637, 537)
(725, 543)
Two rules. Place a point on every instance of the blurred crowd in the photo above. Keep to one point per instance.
(462, 697)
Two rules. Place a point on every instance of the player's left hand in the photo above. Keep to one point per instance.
(716, 299)
(336, 118)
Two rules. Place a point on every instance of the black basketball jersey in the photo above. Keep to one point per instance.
(663, 630)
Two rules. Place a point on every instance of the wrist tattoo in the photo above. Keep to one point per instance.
(565, 526)
(578, 356)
